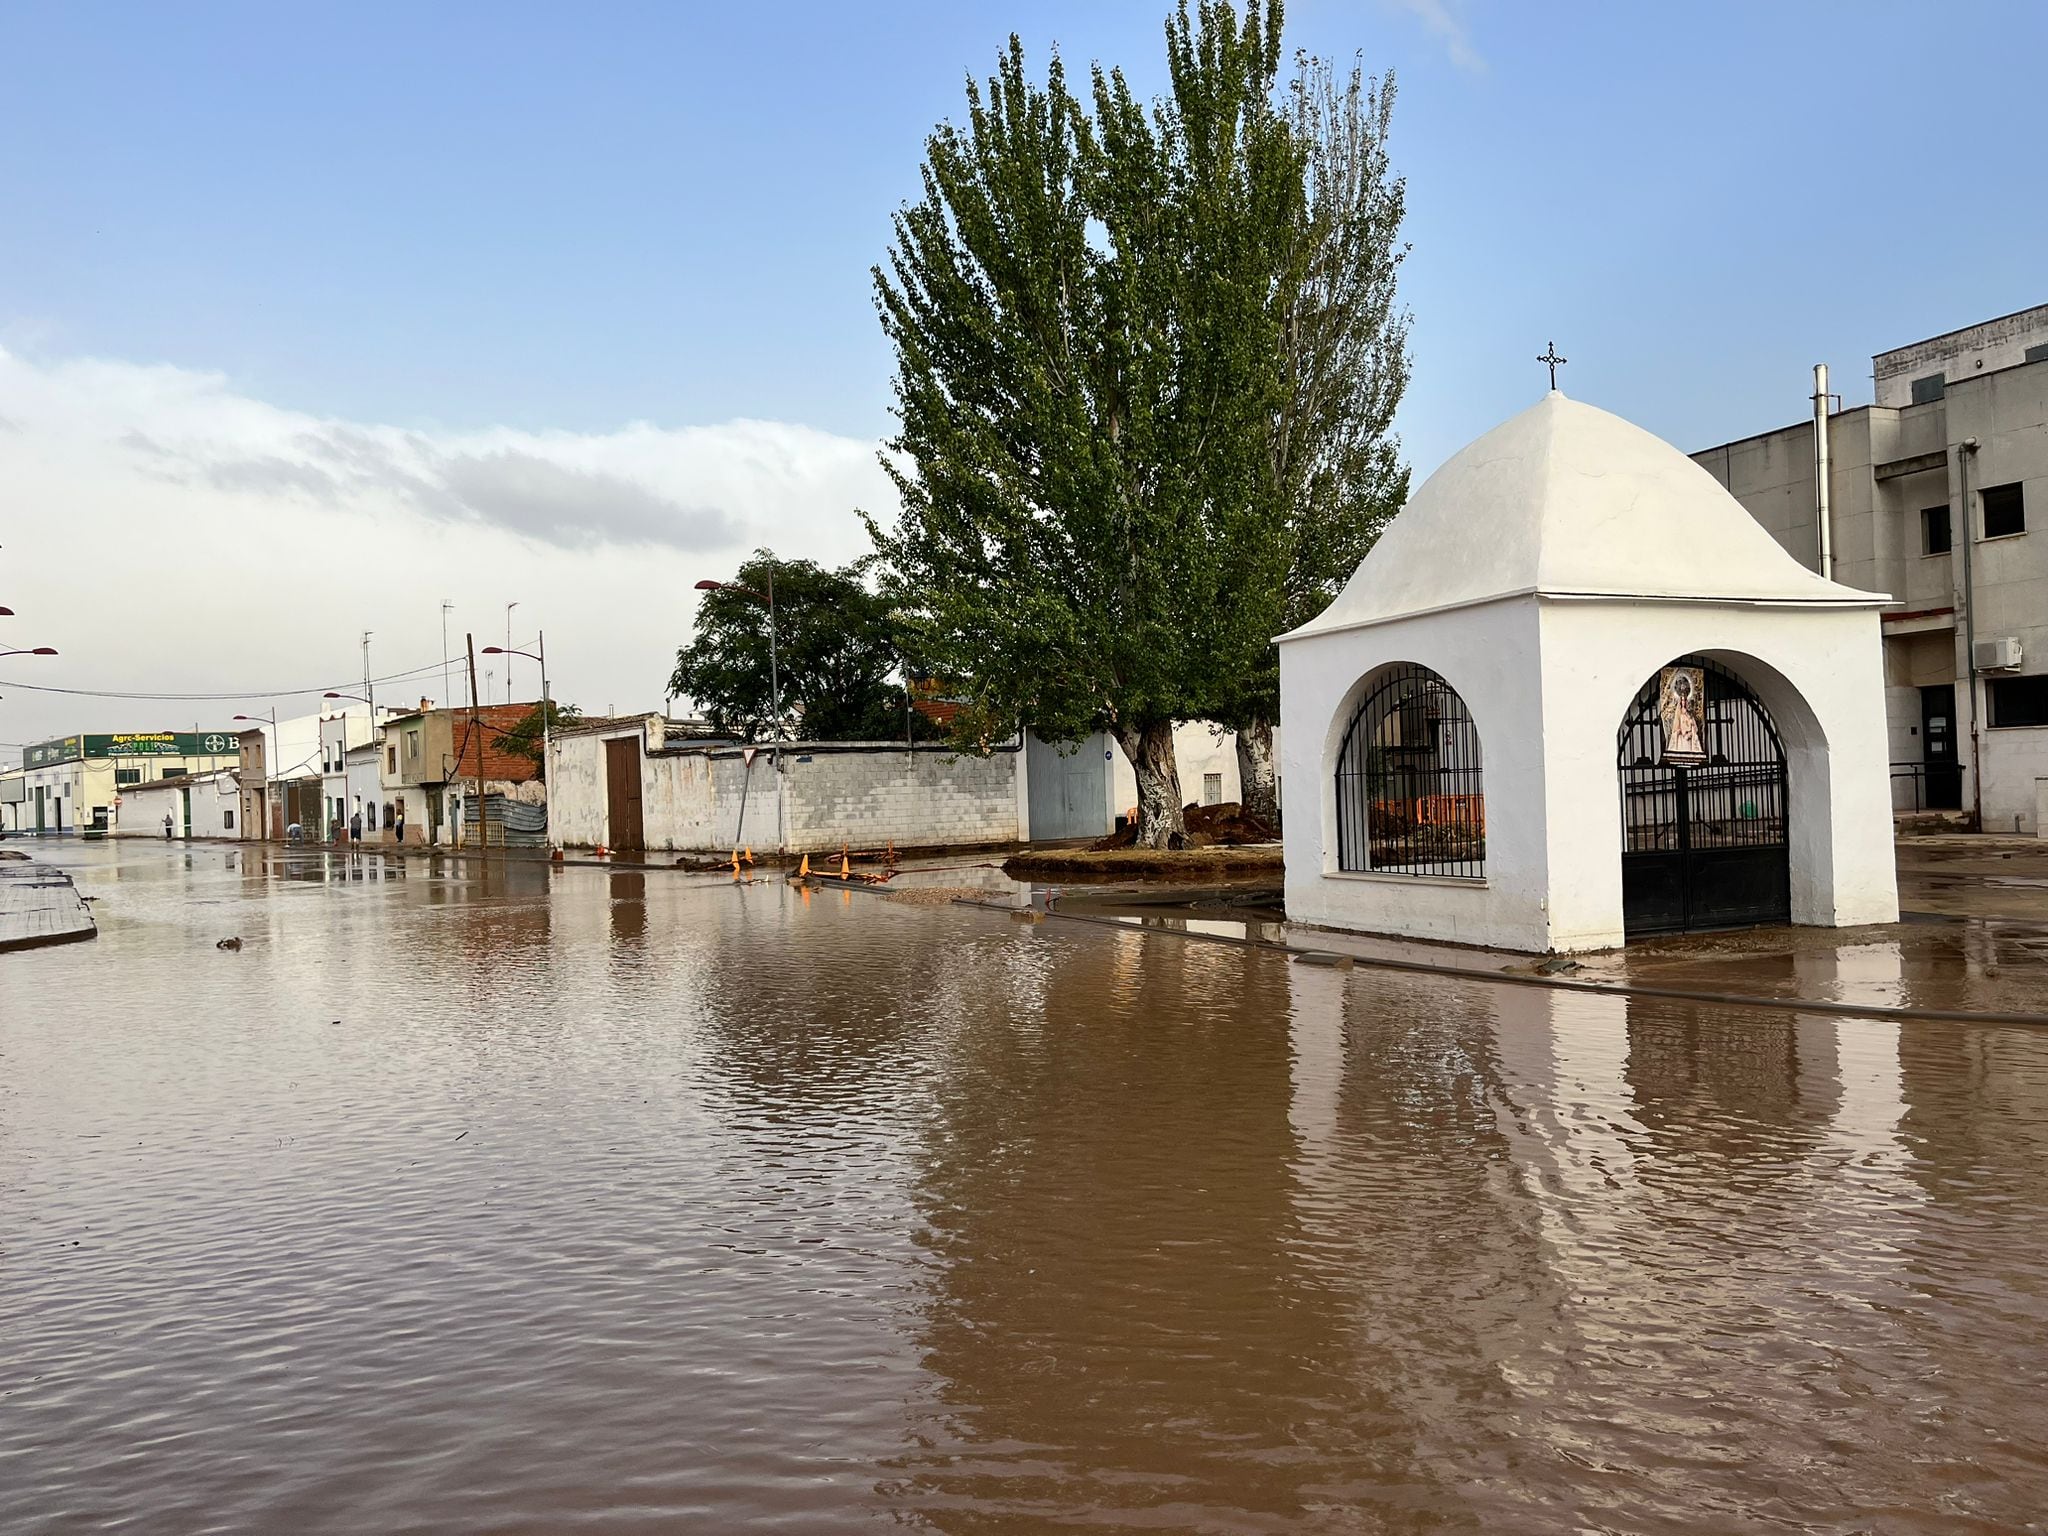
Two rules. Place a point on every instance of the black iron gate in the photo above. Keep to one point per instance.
(1703, 846)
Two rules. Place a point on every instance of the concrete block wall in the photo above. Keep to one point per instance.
(927, 798)
(692, 800)
(2015, 766)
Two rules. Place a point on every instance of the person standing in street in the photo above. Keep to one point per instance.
(167, 826)
(355, 827)
(398, 826)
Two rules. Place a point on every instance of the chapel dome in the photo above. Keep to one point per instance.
(1568, 500)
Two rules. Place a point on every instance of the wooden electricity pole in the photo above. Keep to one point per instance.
(476, 730)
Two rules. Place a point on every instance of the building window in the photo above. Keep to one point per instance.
(227, 821)
(1934, 531)
(173, 771)
(1409, 795)
(1212, 789)
(412, 746)
(391, 759)
(2018, 700)
(1930, 388)
(127, 776)
(2005, 510)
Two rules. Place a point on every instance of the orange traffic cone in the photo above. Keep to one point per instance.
(750, 855)
(803, 870)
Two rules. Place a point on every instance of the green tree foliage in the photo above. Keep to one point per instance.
(1334, 471)
(1094, 311)
(836, 651)
(526, 739)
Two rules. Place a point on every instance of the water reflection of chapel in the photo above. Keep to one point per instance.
(1575, 694)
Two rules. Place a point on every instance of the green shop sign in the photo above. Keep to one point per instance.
(133, 744)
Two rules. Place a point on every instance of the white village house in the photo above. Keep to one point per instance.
(1576, 693)
(199, 805)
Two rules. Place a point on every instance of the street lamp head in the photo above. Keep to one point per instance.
(709, 586)
(6, 613)
(44, 650)
(494, 650)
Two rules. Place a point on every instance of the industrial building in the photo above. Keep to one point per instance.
(75, 783)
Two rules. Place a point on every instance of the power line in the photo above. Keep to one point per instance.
(413, 675)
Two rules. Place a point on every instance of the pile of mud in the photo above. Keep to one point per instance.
(1208, 826)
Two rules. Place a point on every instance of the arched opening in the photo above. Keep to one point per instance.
(1410, 798)
(1704, 805)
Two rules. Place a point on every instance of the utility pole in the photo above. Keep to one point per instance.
(508, 646)
(369, 703)
(476, 730)
(447, 697)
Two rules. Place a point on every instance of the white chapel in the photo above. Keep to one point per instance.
(1576, 694)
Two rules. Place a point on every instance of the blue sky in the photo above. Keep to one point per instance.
(573, 216)
(557, 220)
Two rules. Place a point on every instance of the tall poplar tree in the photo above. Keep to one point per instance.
(1103, 449)
(1333, 464)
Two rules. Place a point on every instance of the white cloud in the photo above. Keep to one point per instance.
(168, 533)
(1444, 20)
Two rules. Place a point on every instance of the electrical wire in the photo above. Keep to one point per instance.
(414, 675)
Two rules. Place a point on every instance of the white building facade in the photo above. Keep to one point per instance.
(200, 805)
(1938, 494)
(1574, 695)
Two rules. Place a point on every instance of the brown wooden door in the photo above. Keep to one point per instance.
(622, 792)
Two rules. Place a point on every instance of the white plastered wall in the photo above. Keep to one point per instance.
(1548, 683)
(1490, 655)
(1820, 674)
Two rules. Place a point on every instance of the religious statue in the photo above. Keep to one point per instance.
(1681, 706)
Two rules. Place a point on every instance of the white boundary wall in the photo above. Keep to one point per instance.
(865, 794)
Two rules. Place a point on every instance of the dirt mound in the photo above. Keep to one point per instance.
(1208, 826)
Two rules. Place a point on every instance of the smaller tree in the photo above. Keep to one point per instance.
(837, 653)
(526, 738)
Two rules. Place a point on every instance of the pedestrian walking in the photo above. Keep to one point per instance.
(167, 826)
(355, 827)
(399, 825)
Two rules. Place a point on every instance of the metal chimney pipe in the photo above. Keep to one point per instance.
(1823, 470)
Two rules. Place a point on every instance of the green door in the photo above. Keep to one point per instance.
(185, 795)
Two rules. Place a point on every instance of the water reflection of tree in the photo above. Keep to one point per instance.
(1149, 1293)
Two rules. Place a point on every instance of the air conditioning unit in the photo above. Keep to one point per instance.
(2000, 655)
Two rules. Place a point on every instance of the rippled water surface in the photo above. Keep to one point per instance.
(514, 1202)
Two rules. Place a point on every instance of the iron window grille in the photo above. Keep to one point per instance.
(1410, 797)
(1736, 799)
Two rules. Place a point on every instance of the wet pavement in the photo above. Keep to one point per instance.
(471, 1198)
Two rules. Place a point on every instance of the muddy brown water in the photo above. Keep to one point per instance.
(509, 1201)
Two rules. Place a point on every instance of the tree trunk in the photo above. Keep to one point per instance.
(1150, 750)
(1256, 782)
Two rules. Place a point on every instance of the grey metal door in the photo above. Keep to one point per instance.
(1069, 792)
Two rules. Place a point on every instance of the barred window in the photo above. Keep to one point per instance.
(1410, 799)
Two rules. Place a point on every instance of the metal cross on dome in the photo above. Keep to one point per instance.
(1550, 356)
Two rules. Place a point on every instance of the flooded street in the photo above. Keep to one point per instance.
(466, 1200)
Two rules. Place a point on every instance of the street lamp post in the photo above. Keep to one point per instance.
(774, 690)
(27, 650)
(547, 737)
(508, 650)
